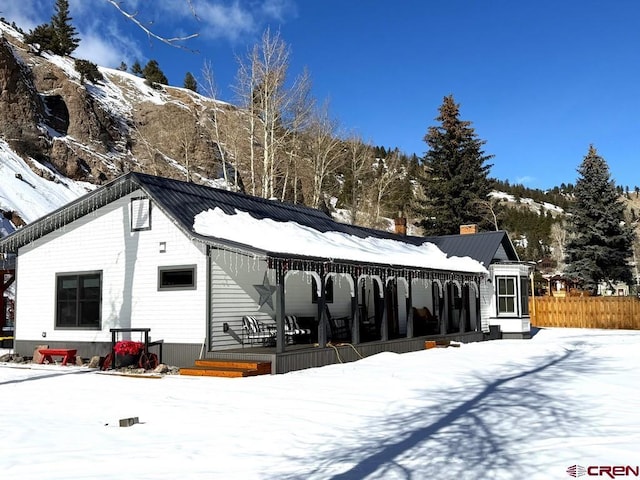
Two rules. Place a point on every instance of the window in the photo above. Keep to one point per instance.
(328, 290)
(140, 214)
(524, 295)
(78, 300)
(177, 278)
(507, 299)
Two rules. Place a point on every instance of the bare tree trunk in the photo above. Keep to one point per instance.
(212, 92)
(262, 86)
(359, 160)
(326, 151)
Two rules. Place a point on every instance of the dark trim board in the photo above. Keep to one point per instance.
(310, 357)
(295, 358)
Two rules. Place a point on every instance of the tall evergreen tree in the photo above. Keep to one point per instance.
(152, 73)
(190, 82)
(65, 39)
(455, 180)
(136, 68)
(600, 243)
(42, 36)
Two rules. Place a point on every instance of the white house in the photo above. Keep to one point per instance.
(190, 262)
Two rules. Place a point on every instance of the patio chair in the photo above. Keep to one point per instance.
(256, 331)
(339, 326)
(424, 322)
(293, 332)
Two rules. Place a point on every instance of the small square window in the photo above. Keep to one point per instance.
(140, 214)
(177, 278)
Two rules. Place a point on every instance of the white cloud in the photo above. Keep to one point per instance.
(107, 45)
(525, 180)
(26, 13)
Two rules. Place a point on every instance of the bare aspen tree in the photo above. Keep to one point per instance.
(325, 149)
(559, 238)
(489, 208)
(358, 160)
(152, 152)
(185, 135)
(214, 117)
(261, 84)
(297, 122)
(387, 171)
(246, 78)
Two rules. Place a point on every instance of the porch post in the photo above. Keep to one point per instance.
(445, 308)
(322, 317)
(408, 303)
(2, 307)
(355, 312)
(464, 307)
(280, 309)
(3, 287)
(384, 327)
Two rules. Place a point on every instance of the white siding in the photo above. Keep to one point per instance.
(508, 324)
(487, 305)
(129, 261)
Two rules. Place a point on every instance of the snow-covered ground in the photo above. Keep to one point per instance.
(510, 409)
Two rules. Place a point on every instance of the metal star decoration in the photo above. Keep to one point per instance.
(266, 291)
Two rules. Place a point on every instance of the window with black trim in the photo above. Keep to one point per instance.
(140, 214)
(507, 295)
(79, 300)
(524, 295)
(328, 290)
(181, 277)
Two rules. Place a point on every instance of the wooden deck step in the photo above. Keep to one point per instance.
(262, 367)
(227, 368)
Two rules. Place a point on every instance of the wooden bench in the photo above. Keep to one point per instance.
(67, 354)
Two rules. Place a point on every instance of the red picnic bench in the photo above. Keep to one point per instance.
(67, 354)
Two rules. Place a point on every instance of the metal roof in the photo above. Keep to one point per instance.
(480, 246)
(182, 201)
(185, 200)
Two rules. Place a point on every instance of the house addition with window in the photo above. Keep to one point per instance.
(192, 263)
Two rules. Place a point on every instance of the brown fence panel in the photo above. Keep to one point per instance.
(585, 312)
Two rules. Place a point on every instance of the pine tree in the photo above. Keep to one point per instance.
(65, 39)
(123, 67)
(136, 68)
(153, 74)
(455, 181)
(42, 36)
(190, 82)
(600, 242)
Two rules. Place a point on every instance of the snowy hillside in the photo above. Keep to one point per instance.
(540, 208)
(30, 195)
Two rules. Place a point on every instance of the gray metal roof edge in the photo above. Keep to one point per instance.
(57, 219)
(187, 230)
(511, 246)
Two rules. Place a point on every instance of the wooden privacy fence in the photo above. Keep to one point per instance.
(585, 312)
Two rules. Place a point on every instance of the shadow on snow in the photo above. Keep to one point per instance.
(478, 434)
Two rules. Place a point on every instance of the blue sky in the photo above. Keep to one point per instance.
(540, 80)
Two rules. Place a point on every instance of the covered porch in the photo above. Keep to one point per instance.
(348, 310)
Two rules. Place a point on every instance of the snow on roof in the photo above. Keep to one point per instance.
(295, 239)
